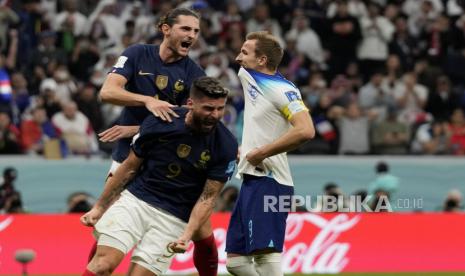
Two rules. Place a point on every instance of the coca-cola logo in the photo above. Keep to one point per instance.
(304, 252)
(3, 225)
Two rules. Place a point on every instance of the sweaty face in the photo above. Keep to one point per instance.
(206, 113)
(183, 34)
(247, 57)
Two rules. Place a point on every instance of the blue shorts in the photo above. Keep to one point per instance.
(250, 227)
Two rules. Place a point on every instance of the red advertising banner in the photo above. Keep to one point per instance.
(329, 243)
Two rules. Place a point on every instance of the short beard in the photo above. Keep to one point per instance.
(197, 125)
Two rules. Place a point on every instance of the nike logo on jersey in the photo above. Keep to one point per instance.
(144, 73)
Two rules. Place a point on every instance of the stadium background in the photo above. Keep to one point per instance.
(388, 91)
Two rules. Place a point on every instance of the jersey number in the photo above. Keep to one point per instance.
(174, 170)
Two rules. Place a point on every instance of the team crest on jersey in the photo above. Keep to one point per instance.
(204, 158)
(179, 86)
(253, 92)
(183, 150)
(161, 81)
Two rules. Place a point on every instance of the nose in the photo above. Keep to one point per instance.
(238, 59)
(192, 34)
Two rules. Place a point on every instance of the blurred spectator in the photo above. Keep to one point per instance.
(90, 106)
(36, 131)
(390, 136)
(432, 138)
(453, 201)
(75, 129)
(10, 198)
(374, 99)
(403, 44)
(377, 32)
(354, 129)
(227, 199)
(9, 136)
(83, 59)
(421, 14)
(261, 21)
(343, 39)
(8, 18)
(333, 199)
(356, 8)
(457, 132)
(384, 181)
(79, 202)
(48, 96)
(411, 98)
(47, 55)
(442, 101)
(70, 19)
(308, 42)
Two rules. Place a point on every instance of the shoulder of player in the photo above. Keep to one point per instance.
(226, 138)
(192, 66)
(140, 48)
(152, 124)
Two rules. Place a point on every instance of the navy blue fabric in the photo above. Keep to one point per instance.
(141, 67)
(178, 161)
(250, 227)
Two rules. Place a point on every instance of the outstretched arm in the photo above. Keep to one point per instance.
(301, 131)
(200, 214)
(113, 187)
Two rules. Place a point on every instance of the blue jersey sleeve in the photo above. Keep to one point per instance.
(147, 136)
(223, 169)
(125, 65)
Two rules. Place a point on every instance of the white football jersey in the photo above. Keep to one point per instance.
(270, 102)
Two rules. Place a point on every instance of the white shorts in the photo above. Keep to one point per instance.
(130, 221)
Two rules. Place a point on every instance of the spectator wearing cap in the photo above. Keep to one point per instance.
(10, 198)
(48, 96)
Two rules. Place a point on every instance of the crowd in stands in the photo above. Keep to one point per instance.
(379, 76)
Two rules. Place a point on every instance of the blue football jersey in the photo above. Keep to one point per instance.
(147, 74)
(178, 161)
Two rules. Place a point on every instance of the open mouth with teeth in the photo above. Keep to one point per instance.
(186, 44)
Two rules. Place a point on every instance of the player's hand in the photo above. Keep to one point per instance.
(90, 218)
(255, 157)
(117, 132)
(161, 109)
(179, 246)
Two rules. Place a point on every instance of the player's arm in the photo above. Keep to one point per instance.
(302, 130)
(113, 187)
(118, 132)
(113, 92)
(200, 213)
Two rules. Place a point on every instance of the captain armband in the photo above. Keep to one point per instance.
(292, 108)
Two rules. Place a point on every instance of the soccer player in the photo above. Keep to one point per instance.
(153, 79)
(173, 174)
(275, 121)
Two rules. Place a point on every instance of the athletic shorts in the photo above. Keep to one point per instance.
(130, 221)
(250, 227)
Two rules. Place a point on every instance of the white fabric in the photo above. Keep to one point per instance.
(265, 99)
(241, 266)
(130, 221)
(374, 44)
